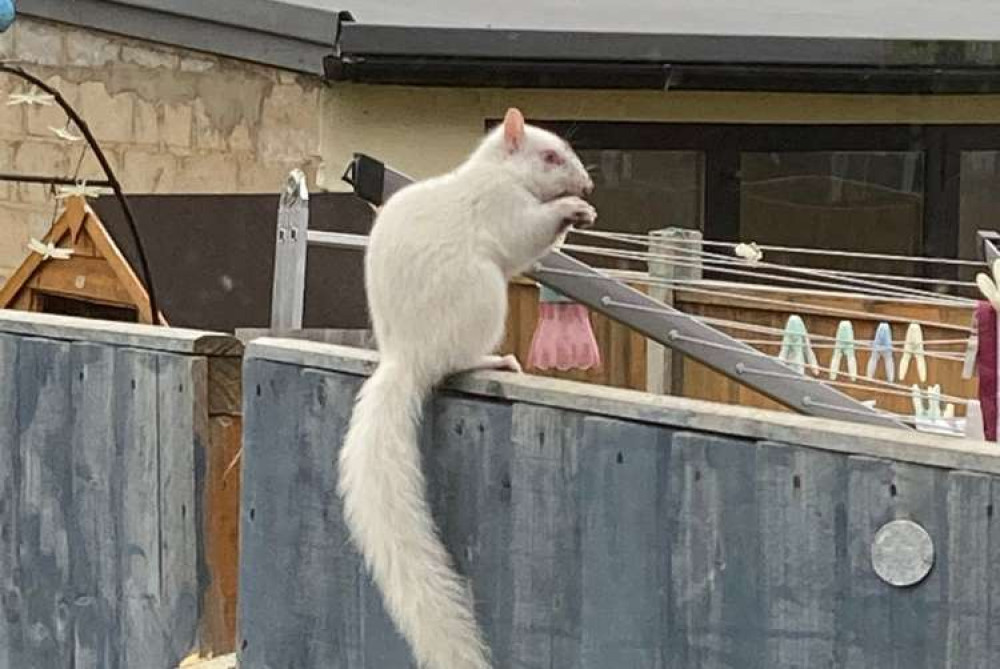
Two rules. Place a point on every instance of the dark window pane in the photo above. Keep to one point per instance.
(853, 201)
(636, 191)
(979, 202)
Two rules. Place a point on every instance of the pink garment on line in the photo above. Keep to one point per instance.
(563, 338)
(986, 367)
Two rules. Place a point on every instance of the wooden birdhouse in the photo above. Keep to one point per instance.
(77, 270)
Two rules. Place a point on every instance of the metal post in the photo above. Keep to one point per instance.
(290, 248)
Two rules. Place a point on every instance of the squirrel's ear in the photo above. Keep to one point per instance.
(513, 129)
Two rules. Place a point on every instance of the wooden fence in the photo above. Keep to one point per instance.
(606, 528)
(626, 363)
(117, 527)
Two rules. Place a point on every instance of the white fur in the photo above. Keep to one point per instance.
(439, 259)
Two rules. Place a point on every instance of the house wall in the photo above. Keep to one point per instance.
(424, 131)
(169, 120)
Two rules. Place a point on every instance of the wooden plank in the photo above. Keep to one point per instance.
(709, 417)
(43, 417)
(798, 493)
(715, 573)
(468, 467)
(96, 485)
(865, 612)
(545, 538)
(354, 337)
(143, 635)
(11, 631)
(133, 335)
(969, 500)
(300, 577)
(225, 386)
(182, 429)
(220, 519)
(882, 625)
(623, 473)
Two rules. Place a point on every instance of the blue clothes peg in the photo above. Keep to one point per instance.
(882, 348)
(7, 13)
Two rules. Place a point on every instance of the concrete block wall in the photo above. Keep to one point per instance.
(169, 120)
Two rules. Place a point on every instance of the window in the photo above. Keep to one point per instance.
(889, 188)
(852, 201)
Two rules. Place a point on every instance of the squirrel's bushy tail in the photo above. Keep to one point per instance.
(389, 519)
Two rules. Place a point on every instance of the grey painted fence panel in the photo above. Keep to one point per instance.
(596, 543)
(98, 493)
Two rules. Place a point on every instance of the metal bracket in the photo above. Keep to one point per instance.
(659, 322)
(989, 241)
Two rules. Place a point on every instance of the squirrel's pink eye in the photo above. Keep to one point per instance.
(552, 158)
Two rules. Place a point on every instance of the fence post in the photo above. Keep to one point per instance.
(290, 248)
(664, 367)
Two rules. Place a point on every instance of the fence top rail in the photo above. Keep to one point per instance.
(674, 412)
(112, 333)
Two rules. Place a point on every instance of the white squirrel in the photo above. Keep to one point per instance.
(439, 257)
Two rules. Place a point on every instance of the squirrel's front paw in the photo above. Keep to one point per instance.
(575, 212)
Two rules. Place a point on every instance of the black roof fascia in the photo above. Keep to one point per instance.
(263, 31)
(505, 58)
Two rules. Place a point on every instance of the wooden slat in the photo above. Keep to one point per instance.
(182, 429)
(44, 504)
(545, 562)
(220, 522)
(469, 462)
(133, 335)
(715, 574)
(798, 492)
(967, 553)
(96, 486)
(623, 474)
(11, 631)
(141, 630)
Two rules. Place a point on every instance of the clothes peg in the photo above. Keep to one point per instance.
(988, 284)
(974, 421)
(882, 348)
(795, 347)
(971, 349)
(843, 349)
(934, 403)
(913, 347)
(917, 398)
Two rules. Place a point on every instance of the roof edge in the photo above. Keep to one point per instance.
(268, 32)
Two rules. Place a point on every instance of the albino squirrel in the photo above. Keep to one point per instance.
(439, 258)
